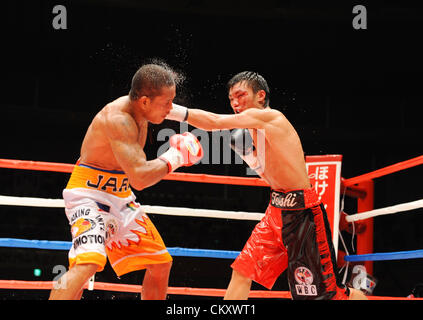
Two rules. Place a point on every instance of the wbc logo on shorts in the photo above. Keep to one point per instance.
(304, 278)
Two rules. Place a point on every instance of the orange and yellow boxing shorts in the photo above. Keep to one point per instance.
(106, 222)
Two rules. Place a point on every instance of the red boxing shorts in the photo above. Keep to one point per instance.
(295, 235)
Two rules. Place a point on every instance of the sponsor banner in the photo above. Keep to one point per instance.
(325, 176)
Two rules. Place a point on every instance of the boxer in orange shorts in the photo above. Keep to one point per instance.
(105, 220)
(294, 233)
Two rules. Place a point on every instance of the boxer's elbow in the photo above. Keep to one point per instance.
(140, 183)
(147, 176)
(136, 178)
(137, 185)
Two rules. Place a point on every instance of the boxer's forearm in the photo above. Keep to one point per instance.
(203, 119)
(147, 174)
(252, 118)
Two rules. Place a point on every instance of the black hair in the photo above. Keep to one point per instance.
(254, 80)
(151, 78)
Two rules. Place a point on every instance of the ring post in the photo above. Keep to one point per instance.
(365, 239)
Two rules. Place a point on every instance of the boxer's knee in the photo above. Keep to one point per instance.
(357, 295)
(240, 279)
(82, 272)
(70, 285)
(161, 270)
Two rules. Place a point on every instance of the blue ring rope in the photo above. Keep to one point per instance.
(400, 255)
(66, 245)
(204, 253)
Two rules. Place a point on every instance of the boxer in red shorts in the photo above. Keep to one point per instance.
(294, 234)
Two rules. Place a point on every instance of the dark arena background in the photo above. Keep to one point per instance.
(347, 91)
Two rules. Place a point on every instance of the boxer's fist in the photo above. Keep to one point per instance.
(178, 113)
(241, 142)
(184, 150)
(189, 147)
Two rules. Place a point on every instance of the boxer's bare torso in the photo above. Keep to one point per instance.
(96, 148)
(283, 162)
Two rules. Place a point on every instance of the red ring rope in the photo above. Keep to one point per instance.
(384, 171)
(207, 178)
(48, 285)
(178, 176)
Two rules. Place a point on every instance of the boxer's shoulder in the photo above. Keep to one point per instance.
(115, 118)
(267, 114)
(119, 108)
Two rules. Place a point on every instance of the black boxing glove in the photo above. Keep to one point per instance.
(242, 144)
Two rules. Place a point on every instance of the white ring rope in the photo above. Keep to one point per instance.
(59, 203)
(178, 211)
(383, 211)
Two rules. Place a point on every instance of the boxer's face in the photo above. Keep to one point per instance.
(159, 106)
(242, 97)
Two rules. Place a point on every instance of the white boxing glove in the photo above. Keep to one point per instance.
(178, 113)
(184, 150)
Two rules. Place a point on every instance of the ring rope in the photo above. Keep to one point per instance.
(384, 171)
(383, 211)
(179, 211)
(48, 285)
(175, 211)
(204, 253)
(176, 176)
(132, 288)
(399, 255)
(66, 245)
(31, 202)
(205, 178)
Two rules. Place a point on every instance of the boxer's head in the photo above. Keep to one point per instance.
(248, 90)
(153, 88)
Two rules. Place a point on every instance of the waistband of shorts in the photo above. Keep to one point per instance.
(297, 199)
(110, 181)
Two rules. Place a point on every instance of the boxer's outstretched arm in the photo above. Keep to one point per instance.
(123, 135)
(251, 118)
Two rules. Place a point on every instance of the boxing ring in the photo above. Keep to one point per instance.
(360, 188)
